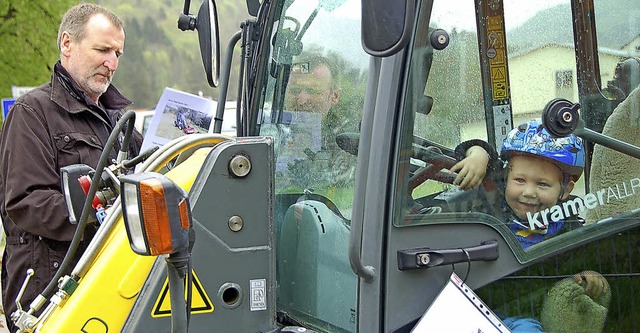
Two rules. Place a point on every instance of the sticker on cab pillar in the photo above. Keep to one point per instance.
(200, 301)
(258, 294)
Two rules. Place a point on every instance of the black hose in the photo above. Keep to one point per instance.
(127, 134)
(240, 128)
(129, 118)
(128, 164)
(224, 84)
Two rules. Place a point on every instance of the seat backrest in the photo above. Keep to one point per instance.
(611, 170)
(315, 280)
(626, 76)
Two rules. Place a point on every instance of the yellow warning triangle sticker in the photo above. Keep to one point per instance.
(200, 301)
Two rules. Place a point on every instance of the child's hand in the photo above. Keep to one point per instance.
(472, 169)
(594, 283)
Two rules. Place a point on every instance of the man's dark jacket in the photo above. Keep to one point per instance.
(50, 127)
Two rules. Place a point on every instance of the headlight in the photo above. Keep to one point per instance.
(156, 213)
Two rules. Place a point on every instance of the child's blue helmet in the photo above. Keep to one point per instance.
(532, 138)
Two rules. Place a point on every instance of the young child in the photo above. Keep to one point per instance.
(539, 172)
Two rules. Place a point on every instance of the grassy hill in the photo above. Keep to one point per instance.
(554, 25)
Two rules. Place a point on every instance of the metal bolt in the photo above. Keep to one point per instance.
(236, 223)
(567, 116)
(240, 165)
(423, 259)
(442, 39)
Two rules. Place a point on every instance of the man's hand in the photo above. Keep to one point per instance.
(472, 169)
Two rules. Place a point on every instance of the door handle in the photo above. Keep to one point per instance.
(426, 257)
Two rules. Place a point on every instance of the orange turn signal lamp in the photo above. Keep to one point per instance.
(156, 213)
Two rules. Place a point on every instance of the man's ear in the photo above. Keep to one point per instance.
(65, 43)
(567, 189)
(334, 96)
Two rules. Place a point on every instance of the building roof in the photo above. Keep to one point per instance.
(570, 47)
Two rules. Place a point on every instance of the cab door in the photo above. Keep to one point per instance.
(497, 70)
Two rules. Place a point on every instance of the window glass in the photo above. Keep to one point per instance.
(610, 106)
(314, 98)
(591, 288)
(536, 185)
(444, 107)
(445, 86)
(314, 94)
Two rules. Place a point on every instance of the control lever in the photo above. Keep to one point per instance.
(22, 319)
(426, 257)
(30, 273)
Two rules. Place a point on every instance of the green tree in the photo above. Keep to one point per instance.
(157, 53)
(28, 34)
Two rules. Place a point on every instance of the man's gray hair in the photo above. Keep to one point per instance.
(75, 20)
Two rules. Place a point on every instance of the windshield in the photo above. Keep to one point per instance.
(313, 103)
(315, 93)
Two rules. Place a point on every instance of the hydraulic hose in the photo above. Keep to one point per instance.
(122, 155)
(154, 163)
(173, 149)
(127, 118)
(224, 84)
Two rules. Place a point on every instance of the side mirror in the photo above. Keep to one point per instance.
(208, 36)
(157, 214)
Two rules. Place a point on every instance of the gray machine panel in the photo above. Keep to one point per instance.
(235, 269)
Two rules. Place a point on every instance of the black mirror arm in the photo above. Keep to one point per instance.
(187, 4)
(607, 141)
(185, 20)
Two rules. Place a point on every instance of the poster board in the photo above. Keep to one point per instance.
(178, 113)
(458, 309)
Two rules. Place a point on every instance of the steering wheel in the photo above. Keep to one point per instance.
(423, 149)
(436, 161)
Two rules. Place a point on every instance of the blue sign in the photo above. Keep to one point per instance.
(7, 103)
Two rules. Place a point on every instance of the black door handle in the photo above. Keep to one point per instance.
(426, 257)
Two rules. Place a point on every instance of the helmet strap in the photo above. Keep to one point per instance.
(562, 189)
(566, 180)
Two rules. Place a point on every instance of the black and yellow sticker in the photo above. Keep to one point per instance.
(200, 301)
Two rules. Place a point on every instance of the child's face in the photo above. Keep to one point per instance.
(532, 185)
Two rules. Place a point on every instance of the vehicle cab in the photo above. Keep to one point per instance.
(365, 185)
